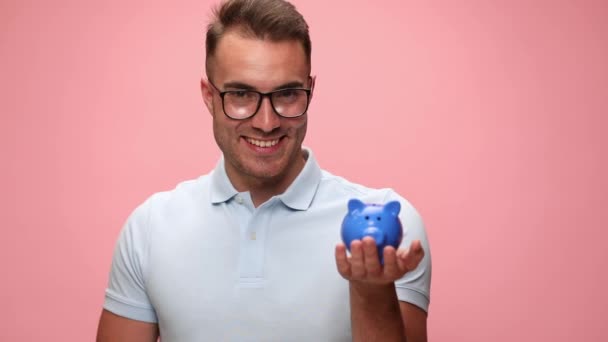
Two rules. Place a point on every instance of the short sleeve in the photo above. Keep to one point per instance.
(415, 286)
(126, 293)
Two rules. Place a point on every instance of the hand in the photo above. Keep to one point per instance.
(363, 265)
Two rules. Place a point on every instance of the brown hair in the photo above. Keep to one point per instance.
(277, 20)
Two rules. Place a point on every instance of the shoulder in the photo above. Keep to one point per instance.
(184, 193)
(331, 184)
(336, 186)
(171, 203)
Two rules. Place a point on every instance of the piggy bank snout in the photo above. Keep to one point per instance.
(375, 233)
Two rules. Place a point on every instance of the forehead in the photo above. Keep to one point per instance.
(259, 62)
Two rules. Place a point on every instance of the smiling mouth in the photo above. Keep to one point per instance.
(262, 143)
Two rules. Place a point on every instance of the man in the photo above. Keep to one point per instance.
(251, 251)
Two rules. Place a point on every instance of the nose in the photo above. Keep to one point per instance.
(266, 119)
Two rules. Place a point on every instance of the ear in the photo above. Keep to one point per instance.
(313, 80)
(393, 207)
(354, 204)
(207, 93)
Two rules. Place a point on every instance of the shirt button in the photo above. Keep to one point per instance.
(239, 200)
(252, 236)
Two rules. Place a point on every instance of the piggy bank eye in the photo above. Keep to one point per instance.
(379, 218)
(367, 217)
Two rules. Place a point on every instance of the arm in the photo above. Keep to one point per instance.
(128, 314)
(376, 313)
(114, 328)
(416, 322)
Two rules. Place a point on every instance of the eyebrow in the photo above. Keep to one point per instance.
(245, 86)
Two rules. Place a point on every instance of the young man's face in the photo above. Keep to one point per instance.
(266, 146)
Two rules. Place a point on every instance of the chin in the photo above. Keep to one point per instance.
(270, 168)
(265, 173)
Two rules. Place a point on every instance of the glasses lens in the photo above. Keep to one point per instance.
(290, 102)
(240, 104)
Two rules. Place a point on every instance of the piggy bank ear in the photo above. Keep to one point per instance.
(354, 204)
(393, 207)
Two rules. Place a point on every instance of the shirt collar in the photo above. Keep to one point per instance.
(298, 195)
(221, 187)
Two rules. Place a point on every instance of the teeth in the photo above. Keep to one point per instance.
(262, 143)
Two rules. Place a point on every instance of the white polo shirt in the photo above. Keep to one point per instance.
(207, 266)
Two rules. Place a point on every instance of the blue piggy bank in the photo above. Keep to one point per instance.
(381, 222)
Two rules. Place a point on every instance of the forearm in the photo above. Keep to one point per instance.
(375, 313)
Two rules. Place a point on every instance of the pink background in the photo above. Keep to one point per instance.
(490, 116)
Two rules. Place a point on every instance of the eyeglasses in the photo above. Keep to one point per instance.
(243, 104)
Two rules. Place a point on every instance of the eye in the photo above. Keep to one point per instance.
(379, 218)
(289, 96)
(240, 93)
(287, 93)
(367, 217)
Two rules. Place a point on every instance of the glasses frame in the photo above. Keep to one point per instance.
(262, 96)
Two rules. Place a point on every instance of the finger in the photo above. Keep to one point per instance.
(391, 266)
(357, 265)
(409, 259)
(370, 257)
(342, 261)
(403, 260)
(417, 254)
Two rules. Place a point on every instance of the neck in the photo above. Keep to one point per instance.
(262, 189)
